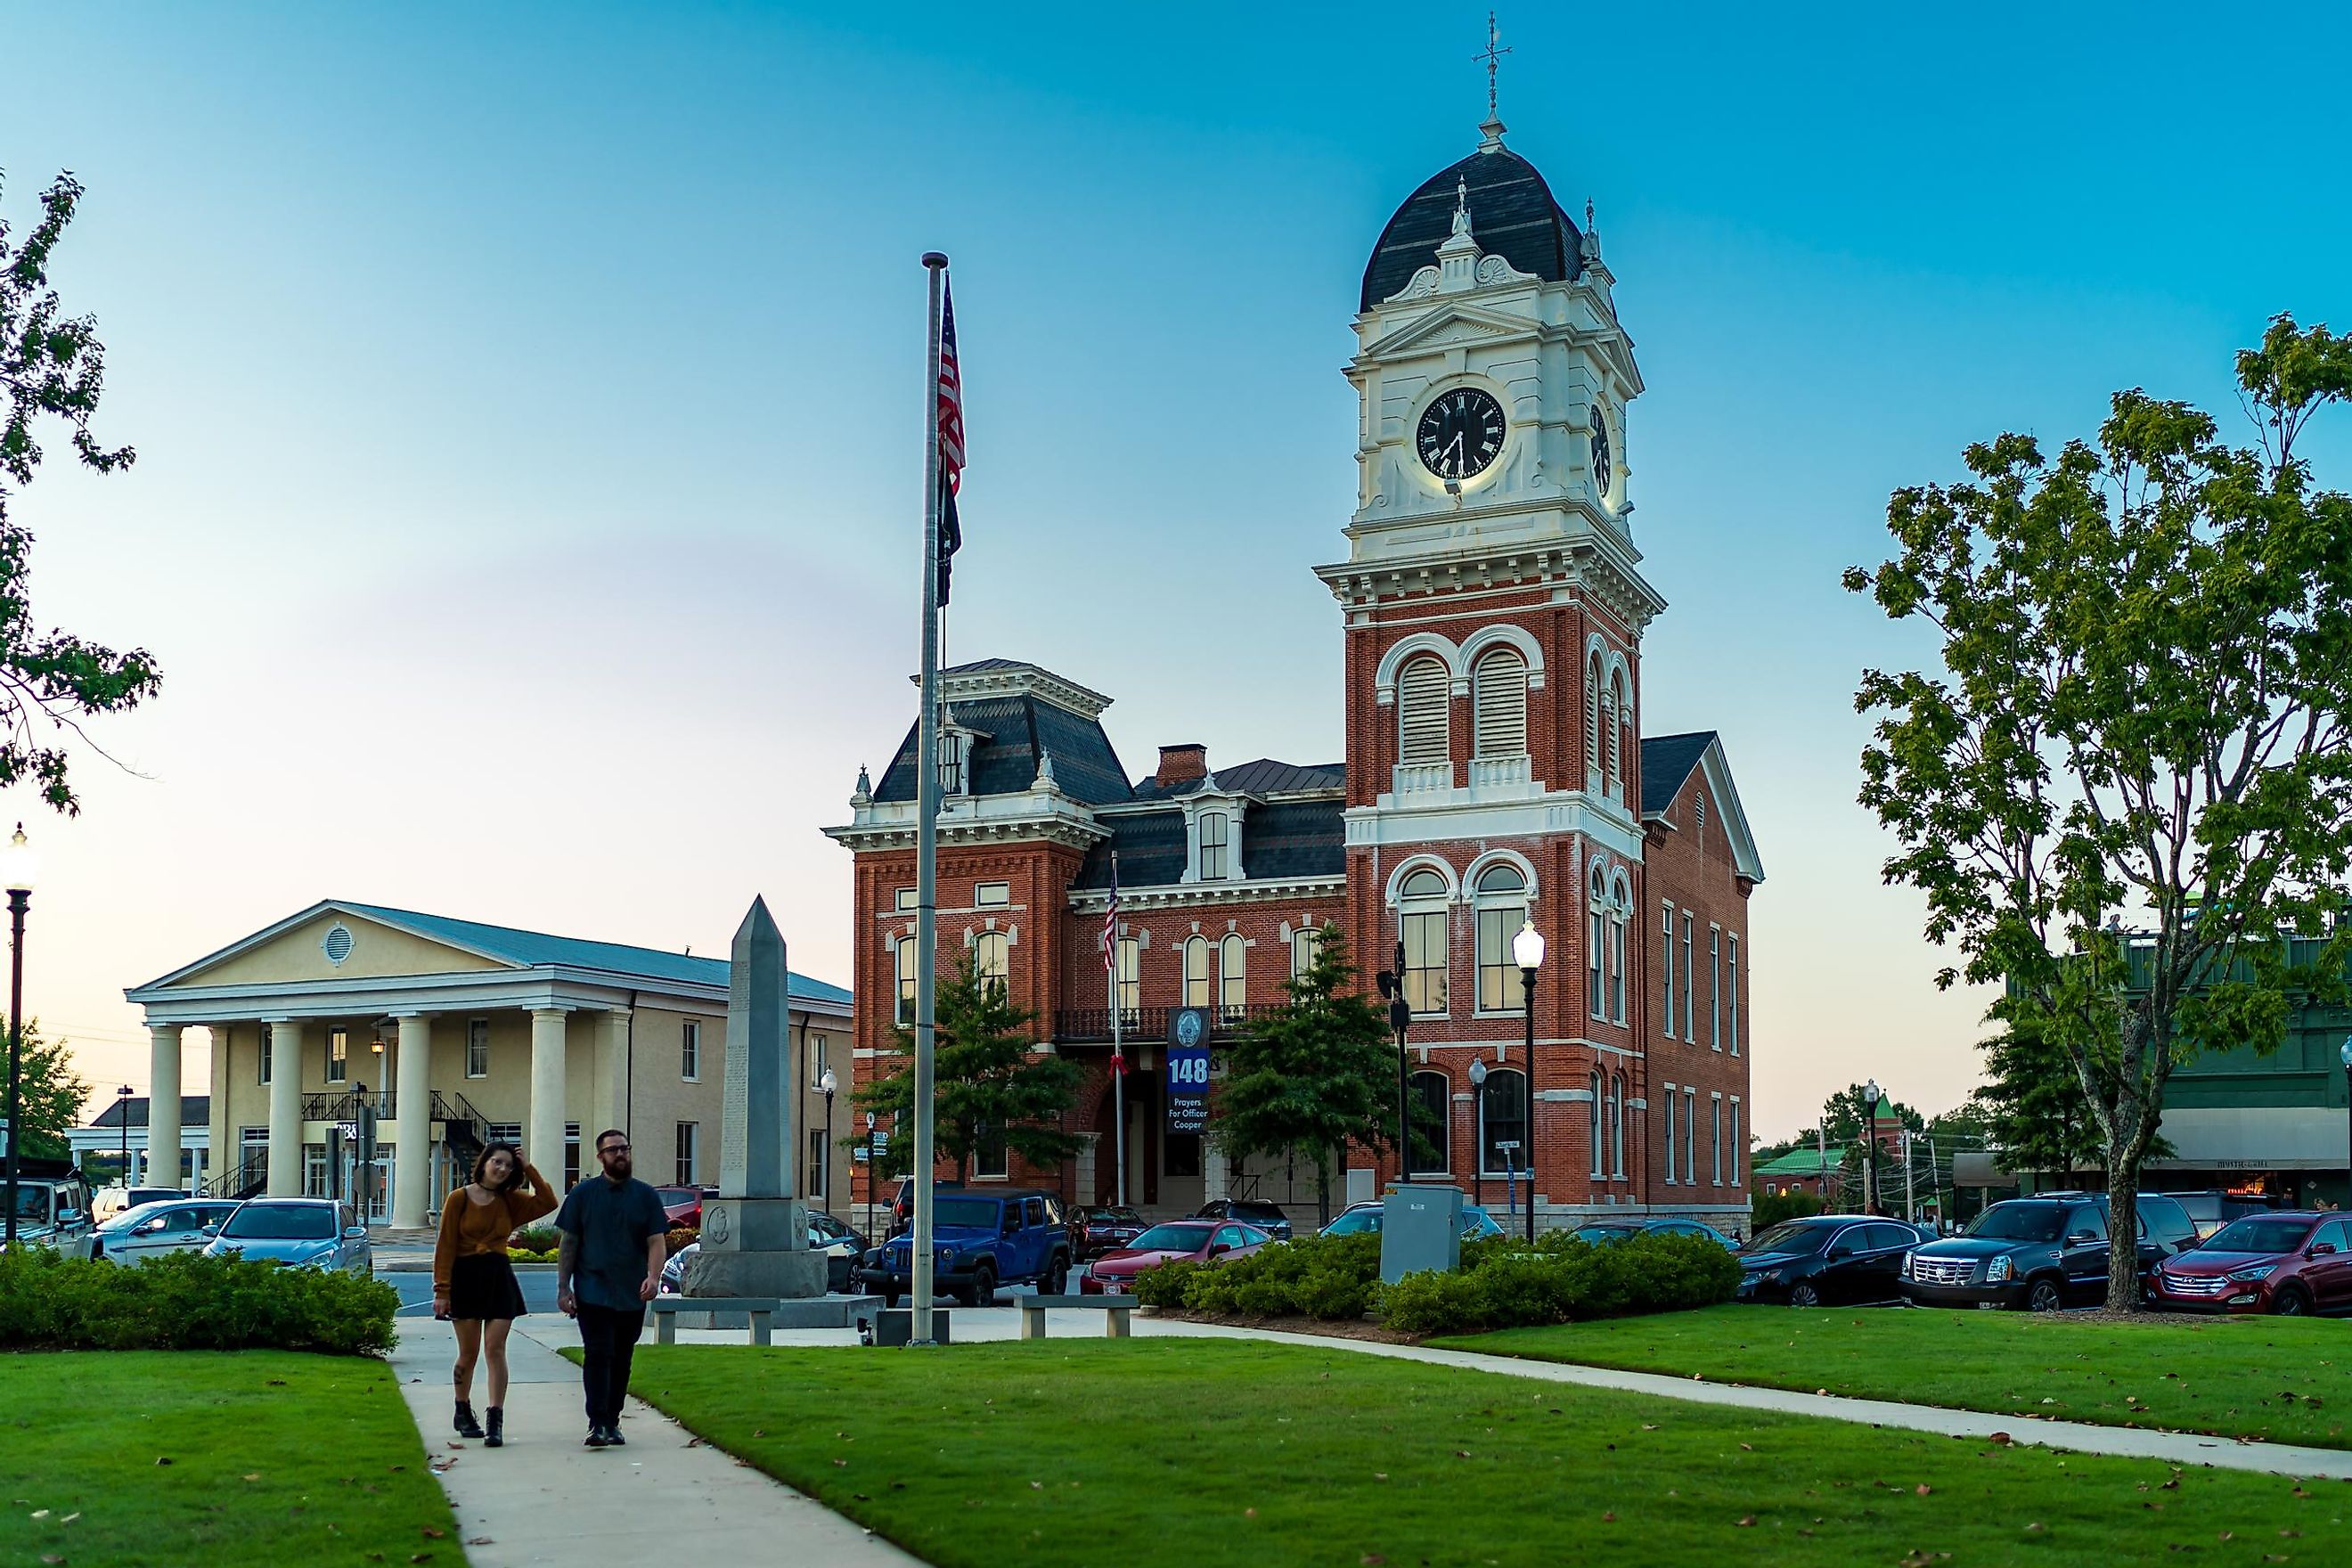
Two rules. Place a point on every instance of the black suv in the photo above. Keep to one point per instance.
(2040, 1253)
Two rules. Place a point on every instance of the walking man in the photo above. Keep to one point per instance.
(607, 1267)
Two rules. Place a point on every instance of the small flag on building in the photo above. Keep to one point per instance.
(950, 419)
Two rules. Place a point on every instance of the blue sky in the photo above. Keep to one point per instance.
(528, 402)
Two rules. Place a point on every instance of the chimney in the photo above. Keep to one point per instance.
(1181, 763)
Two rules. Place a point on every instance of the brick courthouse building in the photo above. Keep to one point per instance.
(1494, 609)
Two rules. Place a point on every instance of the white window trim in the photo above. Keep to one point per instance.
(1521, 900)
(1715, 1102)
(1714, 985)
(470, 1073)
(1690, 1136)
(903, 901)
(980, 901)
(690, 1029)
(1214, 802)
(1670, 1180)
(1690, 991)
(1735, 1141)
(1479, 1097)
(1440, 905)
(1732, 975)
(1670, 969)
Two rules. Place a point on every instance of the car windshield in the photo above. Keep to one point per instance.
(274, 1222)
(974, 1214)
(2019, 1221)
(33, 1204)
(129, 1218)
(2259, 1235)
(1354, 1223)
(1173, 1238)
(1597, 1233)
(1802, 1241)
(1256, 1212)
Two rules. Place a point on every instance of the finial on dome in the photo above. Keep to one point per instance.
(1493, 128)
(1462, 205)
(1045, 779)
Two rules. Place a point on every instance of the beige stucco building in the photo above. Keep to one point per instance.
(452, 1033)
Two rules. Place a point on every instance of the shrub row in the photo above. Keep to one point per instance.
(1333, 1277)
(1507, 1284)
(184, 1300)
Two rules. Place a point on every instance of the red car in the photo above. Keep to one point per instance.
(2289, 1263)
(1202, 1240)
(683, 1205)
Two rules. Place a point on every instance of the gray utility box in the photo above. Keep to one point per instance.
(1421, 1229)
(895, 1326)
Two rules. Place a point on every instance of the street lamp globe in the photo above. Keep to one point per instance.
(1527, 947)
(828, 1083)
(1478, 1073)
(20, 863)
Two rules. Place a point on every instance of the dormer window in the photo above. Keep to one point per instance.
(952, 758)
(1213, 834)
(1214, 826)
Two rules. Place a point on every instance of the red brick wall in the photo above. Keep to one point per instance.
(1693, 868)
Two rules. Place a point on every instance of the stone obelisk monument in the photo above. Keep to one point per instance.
(755, 1232)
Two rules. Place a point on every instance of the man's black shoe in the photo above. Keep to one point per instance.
(596, 1438)
(612, 1437)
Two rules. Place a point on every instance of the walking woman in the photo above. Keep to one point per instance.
(474, 1285)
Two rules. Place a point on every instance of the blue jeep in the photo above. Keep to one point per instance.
(983, 1239)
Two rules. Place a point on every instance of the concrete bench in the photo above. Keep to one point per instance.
(759, 1309)
(1116, 1311)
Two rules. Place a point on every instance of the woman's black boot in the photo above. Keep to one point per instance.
(497, 1437)
(465, 1424)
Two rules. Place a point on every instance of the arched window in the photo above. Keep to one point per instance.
(1424, 706)
(1621, 910)
(1213, 825)
(1611, 779)
(1303, 943)
(1196, 973)
(1433, 1133)
(1502, 905)
(1130, 981)
(1499, 690)
(1599, 1125)
(1596, 940)
(1617, 1125)
(1503, 1120)
(1232, 979)
(1592, 678)
(906, 979)
(1620, 707)
(991, 956)
(1421, 914)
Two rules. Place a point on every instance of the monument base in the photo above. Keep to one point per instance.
(795, 1276)
(755, 1224)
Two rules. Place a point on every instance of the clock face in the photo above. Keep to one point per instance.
(1461, 434)
(1599, 452)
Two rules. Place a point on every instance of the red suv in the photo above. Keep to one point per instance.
(2288, 1263)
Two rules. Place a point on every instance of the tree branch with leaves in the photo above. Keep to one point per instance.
(2131, 782)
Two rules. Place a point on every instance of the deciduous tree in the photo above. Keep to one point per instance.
(2141, 717)
(52, 1093)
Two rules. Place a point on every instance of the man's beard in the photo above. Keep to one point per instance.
(621, 1169)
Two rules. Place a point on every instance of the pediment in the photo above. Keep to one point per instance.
(1449, 326)
(304, 947)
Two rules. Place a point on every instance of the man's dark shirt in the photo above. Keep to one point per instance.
(614, 1225)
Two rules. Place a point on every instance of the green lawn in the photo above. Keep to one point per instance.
(1185, 1452)
(272, 1457)
(2282, 1379)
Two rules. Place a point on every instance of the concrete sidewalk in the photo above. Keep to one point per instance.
(543, 1499)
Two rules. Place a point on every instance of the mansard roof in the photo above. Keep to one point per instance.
(1264, 777)
(1512, 214)
(1013, 731)
(1281, 840)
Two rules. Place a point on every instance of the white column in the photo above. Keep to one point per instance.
(1216, 1175)
(286, 1059)
(163, 1104)
(543, 1129)
(412, 1192)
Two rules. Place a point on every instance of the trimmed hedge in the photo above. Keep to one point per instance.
(1506, 1284)
(1328, 1277)
(184, 1300)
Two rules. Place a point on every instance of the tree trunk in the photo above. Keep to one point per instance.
(1322, 1188)
(2124, 1291)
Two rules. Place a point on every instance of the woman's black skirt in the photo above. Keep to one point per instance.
(483, 1286)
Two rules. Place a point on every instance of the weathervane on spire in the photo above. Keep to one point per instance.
(1494, 58)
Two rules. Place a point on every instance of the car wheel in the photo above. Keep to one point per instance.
(2045, 1296)
(1058, 1275)
(1804, 1294)
(982, 1291)
(2291, 1301)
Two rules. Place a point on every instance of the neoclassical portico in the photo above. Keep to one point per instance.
(453, 1033)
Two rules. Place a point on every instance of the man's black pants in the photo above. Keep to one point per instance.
(607, 1340)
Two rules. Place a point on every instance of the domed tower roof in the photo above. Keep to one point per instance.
(1512, 214)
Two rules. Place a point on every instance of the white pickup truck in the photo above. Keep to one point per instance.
(52, 1204)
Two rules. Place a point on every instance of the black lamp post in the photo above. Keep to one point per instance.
(122, 1112)
(824, 1166)
(1869, 1149)
(1478, 1122)
(1528, 949)
(21, 863)
(872, 1177)
(1391, 984)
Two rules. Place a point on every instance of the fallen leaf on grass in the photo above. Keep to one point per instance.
(2000, 1437)
(1922, 1489)
(431, 1533)
(840, 1463)
(1373, 1558)
(2030, 1528)
(1609, 1518)
(479, 1540)
(1750, 1447)
(40, 1513)
(252, 1475)
(1380, 1475)
(163, 1459)
(1649, 1426)
(71, 1516)
(1746, 1520)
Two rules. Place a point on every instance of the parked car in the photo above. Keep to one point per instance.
(902, 1207)
(152, 1228)
(1267, 1218)
(1358, 1220)
(1097, 1228)
(301, 1233)
(842, 1247)
(1202, 1241)
(52, 1204)
(984, 1240)
(1825, 1261)
(2042, 1253)
(2292, 1263)
(682, 1206)
(108, 1201)
(2212, 1210)
(1603, 1230)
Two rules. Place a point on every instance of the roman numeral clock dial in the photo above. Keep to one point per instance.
(1461, 434)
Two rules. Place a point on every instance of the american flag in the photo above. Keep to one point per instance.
(1110, 931)
(950, 417)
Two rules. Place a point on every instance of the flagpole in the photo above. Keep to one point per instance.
(1117, 1054)
(926, 807)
